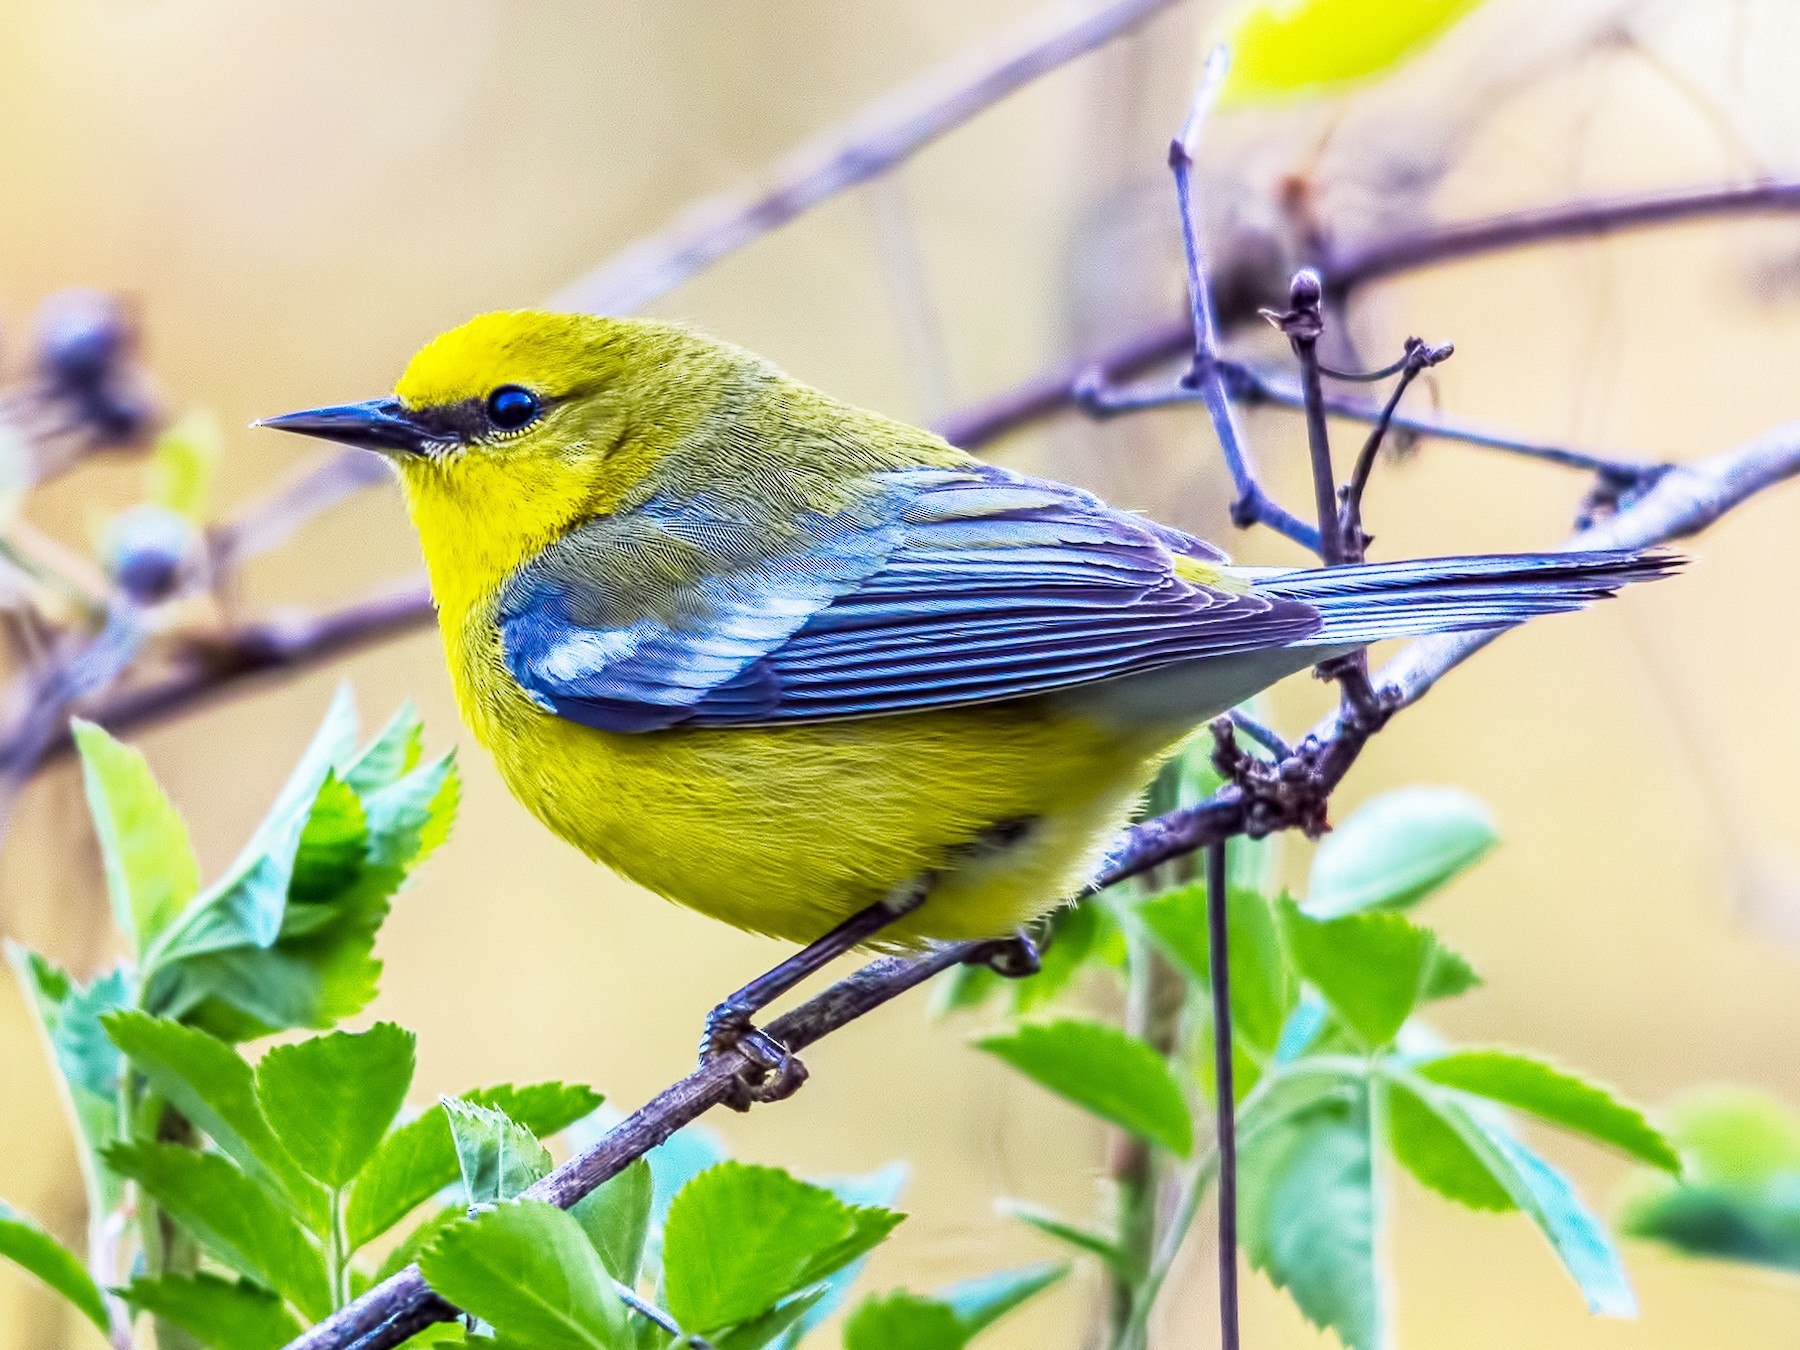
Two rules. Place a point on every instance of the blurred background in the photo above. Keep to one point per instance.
(295, 196)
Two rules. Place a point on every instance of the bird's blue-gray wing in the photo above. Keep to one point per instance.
(947, 587)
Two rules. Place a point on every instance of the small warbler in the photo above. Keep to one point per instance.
(787, 662)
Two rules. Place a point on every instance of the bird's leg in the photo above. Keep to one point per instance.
(771, 1072)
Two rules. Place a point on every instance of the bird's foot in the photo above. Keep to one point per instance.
(1012, 958)
(1291, 793)
(768, 1071)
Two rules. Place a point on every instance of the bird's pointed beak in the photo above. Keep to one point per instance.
(382, 424)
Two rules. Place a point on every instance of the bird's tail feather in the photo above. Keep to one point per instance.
(1374, 601)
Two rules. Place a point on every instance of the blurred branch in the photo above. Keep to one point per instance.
(871, 143)
(1434, 245)
(1686, 500)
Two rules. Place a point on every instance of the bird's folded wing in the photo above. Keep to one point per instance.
(944, 587)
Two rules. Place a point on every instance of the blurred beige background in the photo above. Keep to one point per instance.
(299, 193)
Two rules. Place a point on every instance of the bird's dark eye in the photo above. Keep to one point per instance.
(509, 407)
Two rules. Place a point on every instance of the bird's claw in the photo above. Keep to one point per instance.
(767, 1072)
(1012, 958)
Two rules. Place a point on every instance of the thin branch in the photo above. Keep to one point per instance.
(272, 521)
(1224, 1094)
(1205, 375)
(1354, 265)
(1434, 245)
(881, 137)
(1685, 500)
(1417, 360)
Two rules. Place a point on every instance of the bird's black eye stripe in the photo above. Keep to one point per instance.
(512, 406)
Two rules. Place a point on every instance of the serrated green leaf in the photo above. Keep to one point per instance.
(1371, 967)
(1263, 988)
(331, 1098)
(616, 1218)
(1105, 1071)
(396, 750)
(1308, 1215)
(68, 1017)
(903, 1321)
(1397, 849)
(34, 1251)
(183, 464)
(151, 871)
(1553, 1095)
(411, 816)
(529, 1270)
(1450, 976)
(211, 1084)
(740, 1239)
(498, 1157)
(223, 1314)
(1426, 1133)
(237, 1221)
(1579, 1239)
(983, 1300)
(418, 1159)
(877, 1190)
(1052, 1225)
(1284, 49)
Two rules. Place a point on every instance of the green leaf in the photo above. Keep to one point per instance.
(225, 1314)
(37, 1253)
(980, 1302)
(1372, 967)
(151, 871)
(232, 1216)
(329, 859)
(68, 1017)
(740, 1239)
(498, 1156)
(783, 1324)
(903, 1321)
(616, 1218)
(396, 751)
(331, 1098)
(1308, 1214)
(1397, 849)
(529, 1270)
(418, 1238)
(1284, 49)
(1736, 1137)
(1263, 989)
(1053, 1225)
(1426, 1132)
(1553, 1095)
(182, 466)
(418, 1159)
(1450, 976)
(1579, 1239)
(211, 1084)
(1104, 1071)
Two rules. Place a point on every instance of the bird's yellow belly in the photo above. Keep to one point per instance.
(787, 831)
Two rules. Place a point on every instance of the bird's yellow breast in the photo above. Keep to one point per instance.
(787, 831)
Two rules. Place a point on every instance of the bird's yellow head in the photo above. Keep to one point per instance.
(507, 430)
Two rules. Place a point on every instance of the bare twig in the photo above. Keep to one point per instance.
(272, 521)
(1418, 358)
(1205, 375)
(1685, 500)
(872, 143)
(1224, 1094)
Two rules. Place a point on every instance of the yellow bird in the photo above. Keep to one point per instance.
(813, 671)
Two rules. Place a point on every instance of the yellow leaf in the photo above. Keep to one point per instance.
(181, 469)
(1284, 49)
